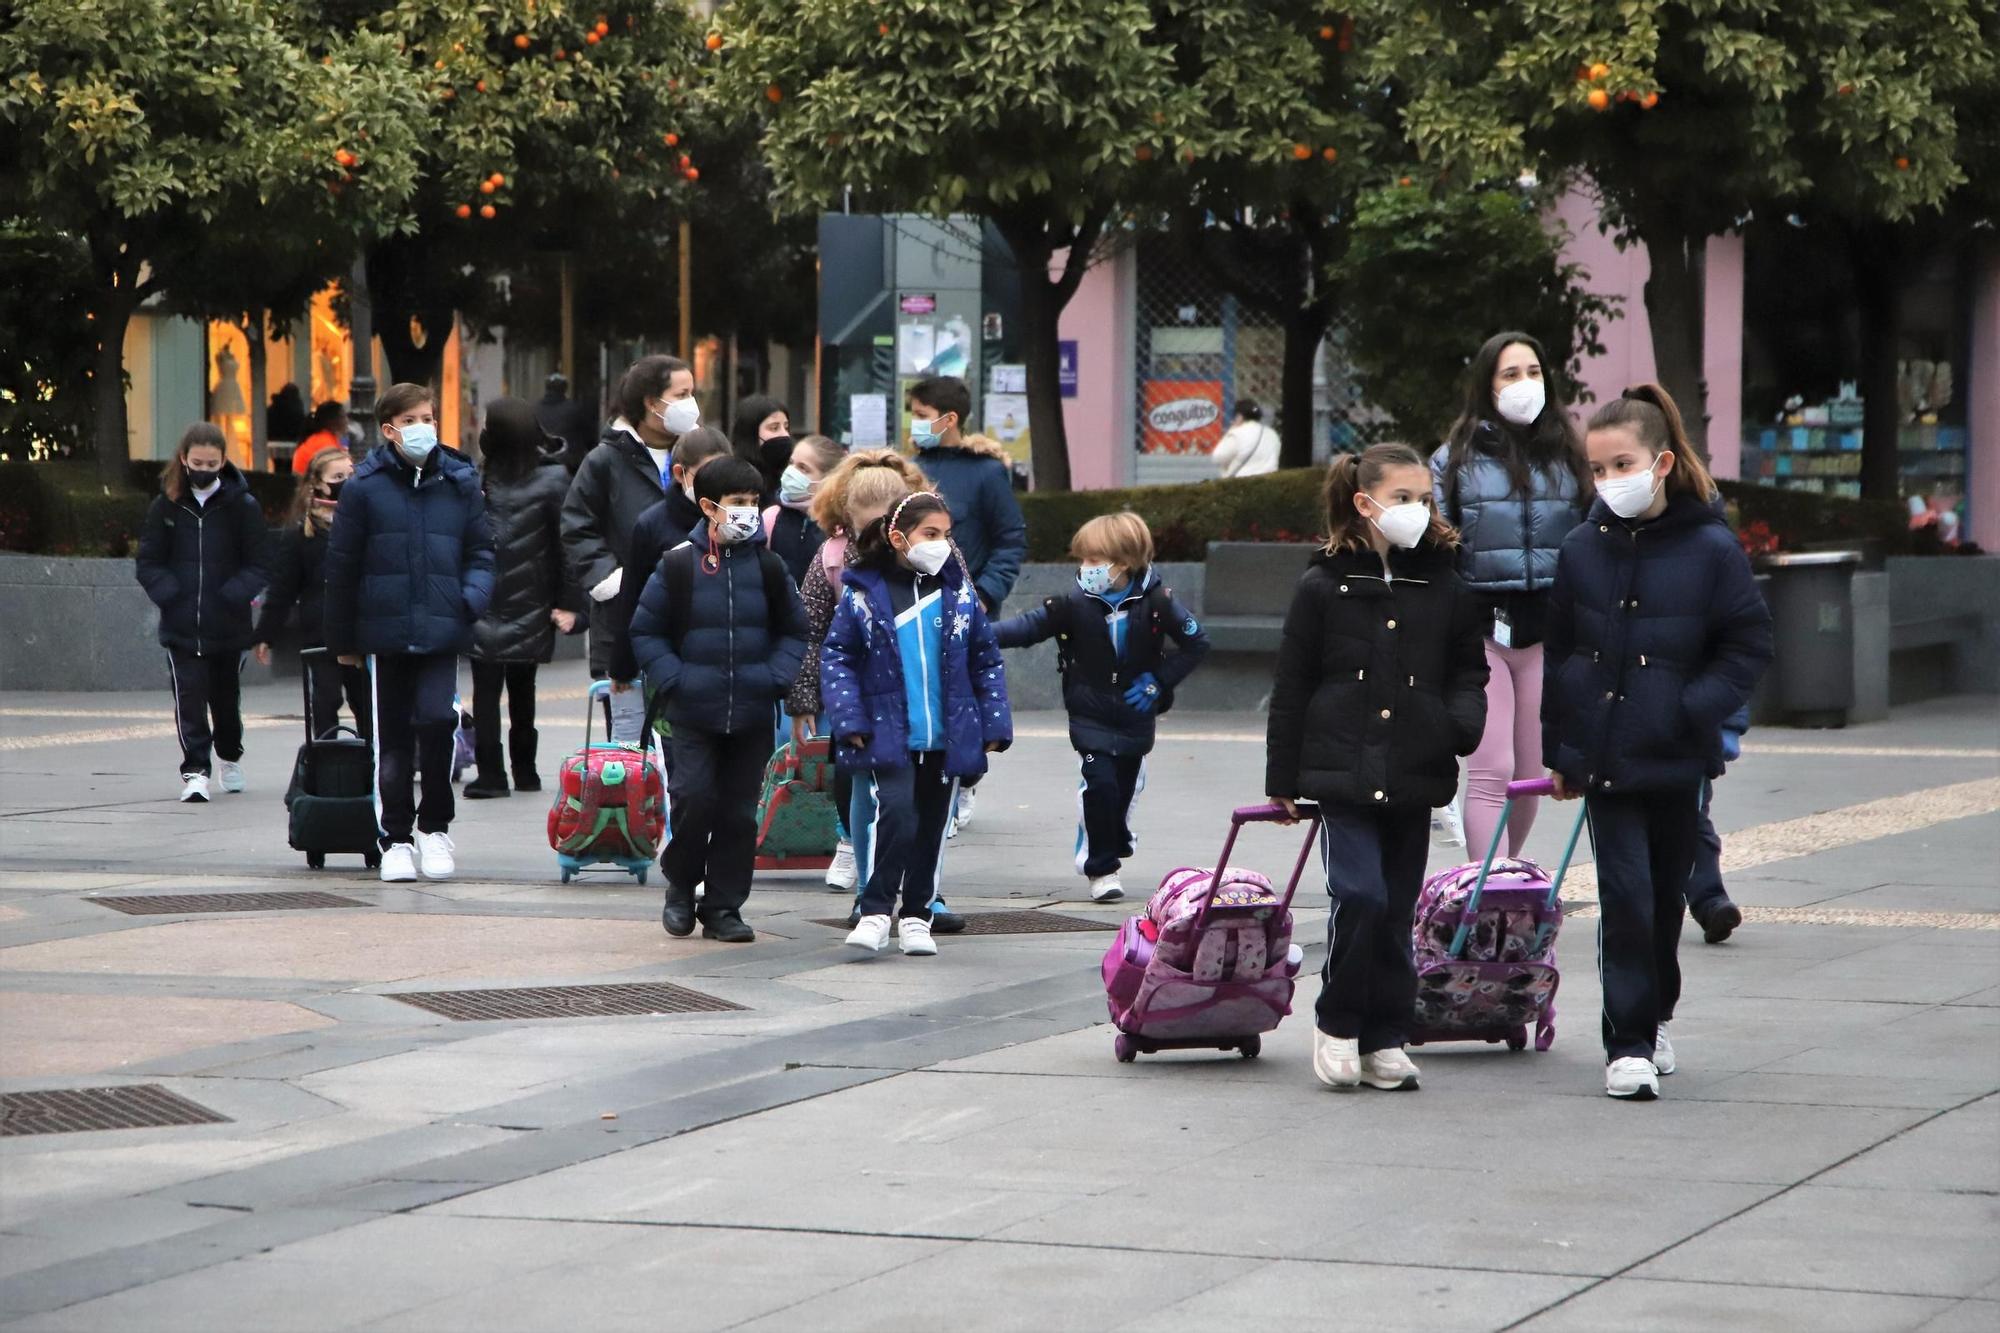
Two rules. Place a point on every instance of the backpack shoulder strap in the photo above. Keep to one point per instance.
(777, 586)
(678, 566)
(832, 555)
(770, 522)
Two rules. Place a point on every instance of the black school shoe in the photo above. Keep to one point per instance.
(1721, 923)
(483, 788)
(729, 928)
(944, 921)
(677, 915)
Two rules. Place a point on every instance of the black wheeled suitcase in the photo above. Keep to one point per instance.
(332, 796)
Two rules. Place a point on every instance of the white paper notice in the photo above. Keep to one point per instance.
(869, 413)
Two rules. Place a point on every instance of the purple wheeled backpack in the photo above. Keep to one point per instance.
(1211, 962)
(1485, 945)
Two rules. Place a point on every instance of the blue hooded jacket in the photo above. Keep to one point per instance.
(986, 522)
(866, 693)
(409, 564)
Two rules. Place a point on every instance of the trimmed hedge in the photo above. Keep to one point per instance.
(64, 508)
(1284, 507)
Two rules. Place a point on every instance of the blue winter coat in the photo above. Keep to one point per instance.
(861, 678)
(203, 564)
(1656, 636)
(409, 566)
(1508, 542)
(739, 654)
(1095, 677)
(986, 522)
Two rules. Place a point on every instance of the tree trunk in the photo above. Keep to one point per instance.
(1876, 262)
(405, 301)
(1305, 326)
(1674, 301)
(1034, 245)
(110, 433)
(260, 442)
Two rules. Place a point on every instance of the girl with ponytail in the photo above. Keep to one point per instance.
(1381, 686)
(1656, 635)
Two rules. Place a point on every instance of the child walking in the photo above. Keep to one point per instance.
(916, 697)
(718, 635)
(1381, 688)
(1111, 634)
(298, 577)
(1656, 636)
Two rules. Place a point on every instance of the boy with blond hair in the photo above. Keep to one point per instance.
(1112, 633)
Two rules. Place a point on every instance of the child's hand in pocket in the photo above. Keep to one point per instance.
(856, 741)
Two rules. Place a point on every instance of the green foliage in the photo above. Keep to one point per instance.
(67, 508)
(46, 344)
(1429, 275)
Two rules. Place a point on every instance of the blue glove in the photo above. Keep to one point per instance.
(1144, 692)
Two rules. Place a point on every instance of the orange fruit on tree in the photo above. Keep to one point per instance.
(1598, 71)
(463, 210)
(488, 211)
(1326, 33)
(603, 29)
(1846, 89)
(693, 174)
(1583, 74)
(774, 93)
(1330, 153)
(1187, 156)
(1902, 164)
(591, 39)
(480, 86)
(522, 42)
(438, 65)
(1598, 99)
(686, 161)
(670, 139)
(614, 173)
(1649, 101)
(1405, 182)
(448, 94)
(714, 42)
(1144, 152)
(561, 54)
(1301, 151)
(487, 187)
(498, 180)
(345, 158)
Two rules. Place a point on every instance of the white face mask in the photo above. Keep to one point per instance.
(417, 440)
(1094, 579)
(739, 524)
(929, 557)
(1630, 495)
(795, 487)
(1521, 402)
(1405, 524)
(680, 416)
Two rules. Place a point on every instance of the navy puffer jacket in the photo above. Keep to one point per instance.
(739, 654)
(1508, 541)
(1656, 635)
(203, 564)
(986, 522)
(409, 567)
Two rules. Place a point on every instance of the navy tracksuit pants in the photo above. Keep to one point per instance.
(1111, 783)
(1374, 860)
(1644, 844)
(415, 717)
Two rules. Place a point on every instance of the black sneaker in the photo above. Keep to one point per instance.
(946, 922)
(483, 788)
(1721, 923)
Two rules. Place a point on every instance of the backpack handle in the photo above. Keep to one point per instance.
(1260, 814)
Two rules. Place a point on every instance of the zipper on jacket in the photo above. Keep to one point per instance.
(200, 566)
(729, 592)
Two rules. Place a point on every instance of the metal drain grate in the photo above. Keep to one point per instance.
(642, 997)
(77, 1110)
(1007, 923)
(175, 904)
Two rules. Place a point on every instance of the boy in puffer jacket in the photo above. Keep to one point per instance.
(1111, 632)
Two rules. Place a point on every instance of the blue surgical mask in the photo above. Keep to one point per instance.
(795, 487)
(925, 433)
(1095, 579)
(416, 440)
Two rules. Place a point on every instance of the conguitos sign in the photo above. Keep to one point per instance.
(1180, 416)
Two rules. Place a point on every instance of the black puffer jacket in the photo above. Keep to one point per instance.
(1381, 681)
(617, 482)
(796, 539)
(203, 564)
(659, 530)
(298, 578)
(529, 579)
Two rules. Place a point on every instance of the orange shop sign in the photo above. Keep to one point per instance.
(1180, 416)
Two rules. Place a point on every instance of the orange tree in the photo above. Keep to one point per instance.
(154, 141)
(1687, 117)
(1055, 121)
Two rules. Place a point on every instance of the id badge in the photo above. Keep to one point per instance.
(1503, 628)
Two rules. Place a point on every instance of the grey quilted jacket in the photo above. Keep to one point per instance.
(1510, 541)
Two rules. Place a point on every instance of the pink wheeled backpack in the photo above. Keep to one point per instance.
(1485, 946)
(1211, 962)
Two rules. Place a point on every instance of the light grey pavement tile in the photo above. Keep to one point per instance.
(1634, 1305)
(1957, 1151)
(1388, 1297)
(1975, 1316)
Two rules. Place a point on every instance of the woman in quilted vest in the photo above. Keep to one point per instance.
(1381, 686)
(1513, 482)
(1656, 635)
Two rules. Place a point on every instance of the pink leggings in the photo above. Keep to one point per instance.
(1510, 750)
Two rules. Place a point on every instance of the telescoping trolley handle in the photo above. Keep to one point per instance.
(1261, 814)
(599, 689)
(1530, 787)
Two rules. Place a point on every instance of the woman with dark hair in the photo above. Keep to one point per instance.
(525, 486)
(1513, 480)
(628, 472)
(201, 559)
(762, 434)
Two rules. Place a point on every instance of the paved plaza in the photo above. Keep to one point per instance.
(918, 1144)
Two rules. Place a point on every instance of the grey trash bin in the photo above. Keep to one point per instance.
(1812, 623)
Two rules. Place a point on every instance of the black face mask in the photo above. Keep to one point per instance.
(330, 492)
(200, 478)
(777, 444)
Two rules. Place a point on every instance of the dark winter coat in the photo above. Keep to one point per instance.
(203, 564)
(1381, 681)
(1656, 635)
(1508, 541)
(861, 676)
(986, 522)
(298, 578)
(796, 539)
(529, 579)
(738, 654)
(659, 530)
(1094, 678)
(617, 482)
(409, 566)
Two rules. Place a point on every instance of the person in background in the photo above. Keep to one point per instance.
(1513, 480)
(1112, 631)
(285, 419)
(569, 423)
(202, 559)
(788, 525)
(328, 431)
(1655, 635)
(298, 578)
(663, 527)
(627, 473)
(409, 570)
(1708, 902)
(1249, 448)
(974, 475)
(718, 634)
(532, 598)
(761, 435)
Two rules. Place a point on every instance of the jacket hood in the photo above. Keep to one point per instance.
(1427, 559)
(1682, 512)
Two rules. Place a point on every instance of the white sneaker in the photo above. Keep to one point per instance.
(1337, 1061)
(966, 799)
(1106, 888)
(913, 936)
(871, 933)
(1633, 1077)
(1663, 1052)
(399, 863)
(843, 874)
(434, 852)
(231, 774)
(1446, 820)
(1390, 1069)
(194, 787)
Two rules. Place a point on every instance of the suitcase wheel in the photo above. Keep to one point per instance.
(373, 860)
(1545, 1036)
(316, 860)
(641, 871)
(1251, 1048)
(1517, 1040)
(566, 873)
(1126, 1049)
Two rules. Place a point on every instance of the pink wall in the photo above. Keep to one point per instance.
(1983, 411)
(1098, 419)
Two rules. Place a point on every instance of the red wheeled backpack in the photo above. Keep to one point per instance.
(610, 805)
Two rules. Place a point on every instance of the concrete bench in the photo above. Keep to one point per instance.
(1247, 591)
